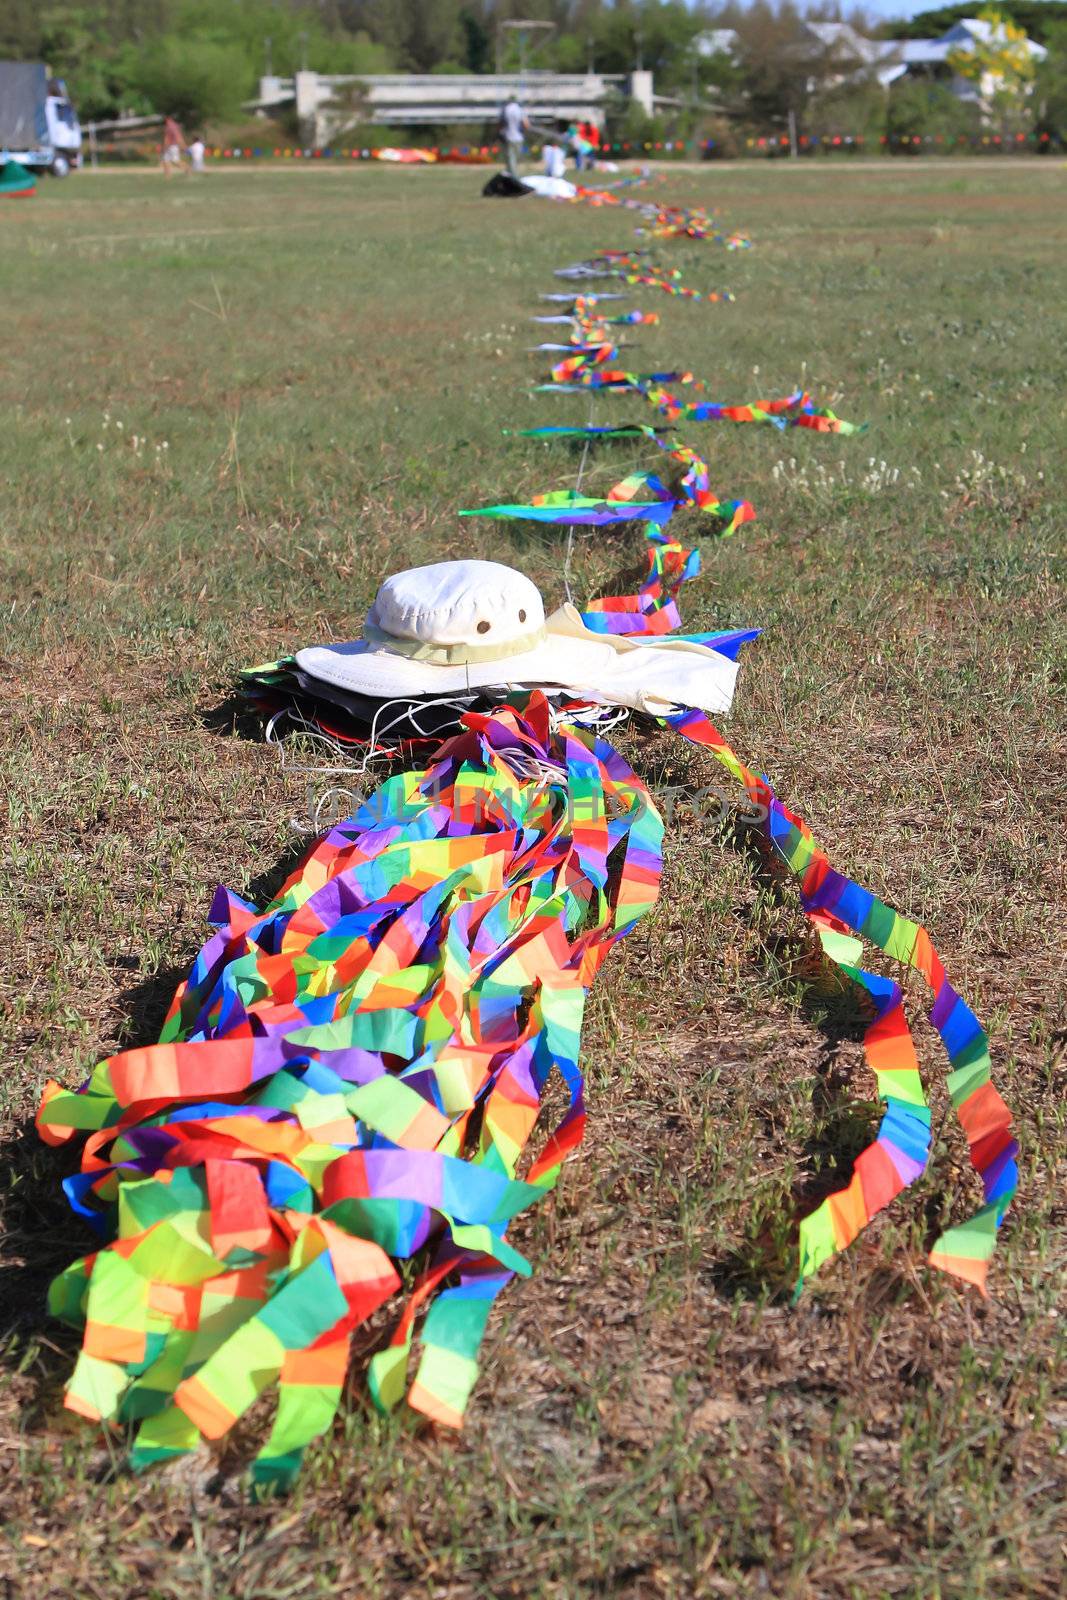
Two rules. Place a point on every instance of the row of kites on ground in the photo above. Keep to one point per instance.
(345, 1101)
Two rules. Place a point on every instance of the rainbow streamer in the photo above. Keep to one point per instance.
(796, 410)
(640, 496)
(587, 367)
(840, 909)
(347, 1078)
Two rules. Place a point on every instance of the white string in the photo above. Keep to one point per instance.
(577, 490)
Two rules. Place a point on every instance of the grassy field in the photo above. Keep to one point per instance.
(230, 407)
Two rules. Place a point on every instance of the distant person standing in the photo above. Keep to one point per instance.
(173, 145)
(580, 146)
(514, 126)
(196, 155)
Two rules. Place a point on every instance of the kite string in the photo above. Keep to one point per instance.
(568, 557)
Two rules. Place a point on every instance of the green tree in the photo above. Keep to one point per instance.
(848, 108)
(194, 79)
(202, 55)
(1037, 17)
(89, 46)
(1050, 87)
(920, 106)
(657, 35)
(477, 41)
(419, 34)
(1001, 68)
(781, 67)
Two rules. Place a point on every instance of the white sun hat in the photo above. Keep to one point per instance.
(460, 625)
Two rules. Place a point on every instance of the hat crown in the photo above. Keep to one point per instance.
(481, 603)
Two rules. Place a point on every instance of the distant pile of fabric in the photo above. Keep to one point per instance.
(15, 182)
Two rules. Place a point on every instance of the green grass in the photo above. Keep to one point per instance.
(325, 362)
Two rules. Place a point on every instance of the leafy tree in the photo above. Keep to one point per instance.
(199, 55)
(1001, 67)
(655, 34)
(194, 79)
(477, 42)
(1050, 86)
(639, 129)
(854, 108)
(73, 43)
(780, 67)
(419, 34)
(1035, 17)
(922, 106)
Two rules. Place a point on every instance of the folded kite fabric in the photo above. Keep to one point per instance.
(549, 188)
(455, 626)
(639, 497)
(796, 410)
(633, 270)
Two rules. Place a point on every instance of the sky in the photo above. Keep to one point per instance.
(901, 8)
(883, 9)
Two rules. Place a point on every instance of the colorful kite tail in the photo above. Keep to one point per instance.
(840, 910)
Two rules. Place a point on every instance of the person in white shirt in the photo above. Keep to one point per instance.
(555, 160)
(514, 126)
(196, 155)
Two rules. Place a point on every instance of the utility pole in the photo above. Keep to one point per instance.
(792, 133)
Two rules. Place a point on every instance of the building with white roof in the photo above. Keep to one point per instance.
(931, 57)
(889, 60)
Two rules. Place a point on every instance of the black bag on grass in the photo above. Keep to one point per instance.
(502, 186)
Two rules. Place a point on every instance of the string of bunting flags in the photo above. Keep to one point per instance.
(349, 1078)
(663, 149)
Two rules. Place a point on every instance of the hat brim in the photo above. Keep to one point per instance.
(643, 674)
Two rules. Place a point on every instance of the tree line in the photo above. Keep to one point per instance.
(202, 59)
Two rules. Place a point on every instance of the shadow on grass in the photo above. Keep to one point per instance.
(42, 1235)
(764, 1263)
(234, 717)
